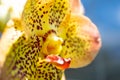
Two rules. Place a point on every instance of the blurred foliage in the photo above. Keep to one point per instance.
(4, 16)
(10, 9)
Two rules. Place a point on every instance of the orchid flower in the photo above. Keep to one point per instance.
(49, 37)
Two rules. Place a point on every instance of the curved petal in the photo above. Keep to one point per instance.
(82, 41)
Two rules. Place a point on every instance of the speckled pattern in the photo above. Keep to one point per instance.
(23, 61)
(77, 41)
(40, 18)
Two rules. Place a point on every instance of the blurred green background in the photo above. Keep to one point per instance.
(106, 15)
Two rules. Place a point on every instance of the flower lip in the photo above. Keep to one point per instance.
(58, 61)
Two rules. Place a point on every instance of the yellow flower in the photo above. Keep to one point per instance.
(50, 36)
